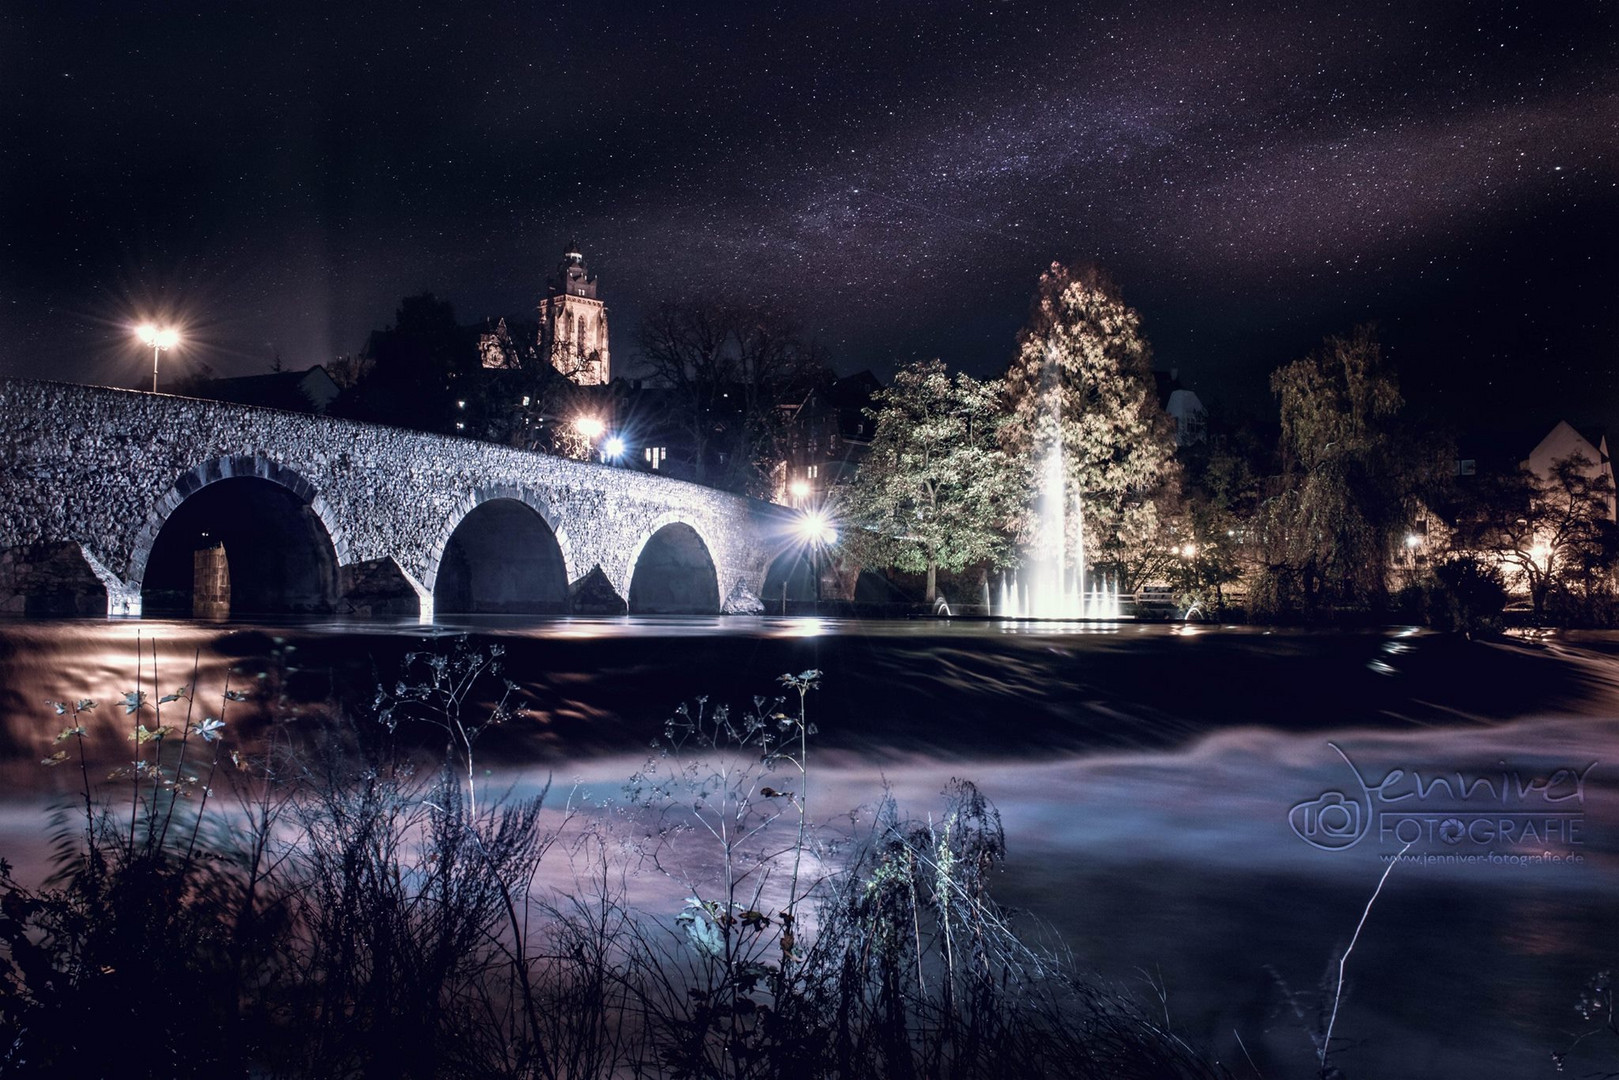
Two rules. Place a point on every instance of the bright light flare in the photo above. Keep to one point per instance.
(590, 427)
(613, 447)
(798, 489)
(815, 528)
(157, 337)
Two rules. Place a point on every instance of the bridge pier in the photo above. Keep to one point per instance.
(58, 579)
(382, 589)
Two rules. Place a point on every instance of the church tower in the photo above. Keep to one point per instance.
(573, 323)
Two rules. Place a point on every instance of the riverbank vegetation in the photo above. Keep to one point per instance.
(358, 904)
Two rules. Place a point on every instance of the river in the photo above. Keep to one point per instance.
(1201, 813)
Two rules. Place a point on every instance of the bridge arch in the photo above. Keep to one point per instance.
(790, 578)
(280, 547)
(502, 550)
(673, 570)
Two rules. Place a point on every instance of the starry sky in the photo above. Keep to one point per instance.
(1254, 175)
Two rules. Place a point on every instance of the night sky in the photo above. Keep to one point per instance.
(1254, 176)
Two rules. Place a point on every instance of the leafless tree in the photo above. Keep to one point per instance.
(728, 371)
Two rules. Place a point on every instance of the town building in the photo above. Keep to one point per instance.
(1563, 442)
(1183, 406)
(827, 436)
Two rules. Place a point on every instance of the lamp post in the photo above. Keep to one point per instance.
(159, 338)
(818, 532)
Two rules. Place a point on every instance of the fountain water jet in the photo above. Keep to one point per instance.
(1052, 586)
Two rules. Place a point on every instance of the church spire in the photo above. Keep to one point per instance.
(573, 277)
(573, 322)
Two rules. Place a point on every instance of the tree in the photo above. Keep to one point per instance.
(1466, 594)
(415, 368)
(1555, 533)
(1351, 481)
(728, 369)
(932, 490)
(1082, 382)
(1222, 486)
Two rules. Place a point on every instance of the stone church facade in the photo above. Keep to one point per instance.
(572, 328)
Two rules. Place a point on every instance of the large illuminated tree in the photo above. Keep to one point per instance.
(931, 492)
(1082, 381)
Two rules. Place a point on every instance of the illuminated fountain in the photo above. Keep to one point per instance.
(1054, 582)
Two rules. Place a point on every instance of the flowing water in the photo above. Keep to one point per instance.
(1174, 804)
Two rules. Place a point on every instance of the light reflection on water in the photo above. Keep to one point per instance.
(1144, 773)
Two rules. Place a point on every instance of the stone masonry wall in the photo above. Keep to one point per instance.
(103, 468)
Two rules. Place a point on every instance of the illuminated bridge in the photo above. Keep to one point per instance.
(125, 503)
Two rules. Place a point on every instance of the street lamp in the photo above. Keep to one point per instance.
(613, 448)
(818, 532)
(159, 338)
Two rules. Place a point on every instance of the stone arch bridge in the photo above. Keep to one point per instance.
(119, 502)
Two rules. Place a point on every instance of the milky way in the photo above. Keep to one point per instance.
(1254, 176)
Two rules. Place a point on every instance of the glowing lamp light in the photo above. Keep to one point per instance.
(798, 489)
(589, 426)
(157, 338)
(1412, 540)
(613, 447)
(817, 529)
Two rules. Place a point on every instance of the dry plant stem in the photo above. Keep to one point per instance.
(185, 737)
(157, 755)
(803, 801)
(520, 957)
(1326, 1043)
(916, 916)
(134, 736)
(207, 787)
(84, 774)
